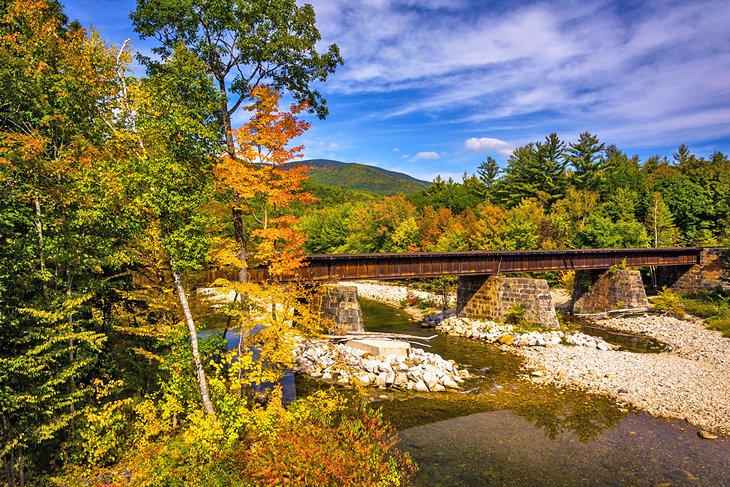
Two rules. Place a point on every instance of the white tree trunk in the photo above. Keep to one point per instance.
(202, 381)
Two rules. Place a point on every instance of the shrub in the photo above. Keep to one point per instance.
(516, 315)
(567, 280)
(714, 308)
(320, 447)
(322, 440)
(669, 302)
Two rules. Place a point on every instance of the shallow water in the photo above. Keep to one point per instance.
(626, 341)
(511, 432)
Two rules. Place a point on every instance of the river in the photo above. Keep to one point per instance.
(508, 431)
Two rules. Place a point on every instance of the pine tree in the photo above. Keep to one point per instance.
(586, 158)
(535, 171)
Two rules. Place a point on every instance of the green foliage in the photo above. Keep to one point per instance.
(669, 302)
(586, 157)
(449, 194)
(243, 43)
(535, 171)
(328, 196)
(714, 308)
(488, 172)
(516, 315)
(601, 232)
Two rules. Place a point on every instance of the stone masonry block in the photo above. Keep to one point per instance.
(493, 297)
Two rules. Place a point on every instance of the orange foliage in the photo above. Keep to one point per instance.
(264, 187)
(354, 452)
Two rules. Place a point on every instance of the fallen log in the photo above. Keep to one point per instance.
(612, 312)
(355, 335)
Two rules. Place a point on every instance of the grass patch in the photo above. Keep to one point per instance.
(714, 308)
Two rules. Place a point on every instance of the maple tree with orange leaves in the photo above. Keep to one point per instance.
(264, 183)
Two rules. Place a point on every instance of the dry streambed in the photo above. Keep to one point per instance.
(690, 381)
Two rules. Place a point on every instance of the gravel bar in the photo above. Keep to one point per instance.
(690, 381)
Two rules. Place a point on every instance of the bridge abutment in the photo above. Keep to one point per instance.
(495, 297)
(709, 274)
(598, 291)
(340, 304)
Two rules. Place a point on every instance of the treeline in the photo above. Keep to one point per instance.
(117, 194)
(551, 195)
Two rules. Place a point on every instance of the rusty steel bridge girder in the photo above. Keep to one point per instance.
(333, 267)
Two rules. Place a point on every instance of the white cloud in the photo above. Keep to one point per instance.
(396, 149)
(332, 145)
(488, 144)
(661, 65)
(427, 155)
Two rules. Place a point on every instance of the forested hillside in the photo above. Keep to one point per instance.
(361, 177)
(551, 195)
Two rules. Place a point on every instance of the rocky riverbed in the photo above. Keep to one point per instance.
(419, 371)
(690, 381)
(503, 334)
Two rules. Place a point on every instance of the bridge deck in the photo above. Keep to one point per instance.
(328, 267)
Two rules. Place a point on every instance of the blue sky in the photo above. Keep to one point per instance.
(434, 86)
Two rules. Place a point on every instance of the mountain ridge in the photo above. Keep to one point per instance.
(362, 177)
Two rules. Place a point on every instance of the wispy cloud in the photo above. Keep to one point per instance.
(599, 65)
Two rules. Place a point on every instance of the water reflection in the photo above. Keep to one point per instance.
(502, 448)
(512, 432)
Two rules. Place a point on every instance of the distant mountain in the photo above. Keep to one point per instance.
(362, 177)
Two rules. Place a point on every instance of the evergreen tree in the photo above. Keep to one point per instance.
(586, 157)
(535, 171)
(488, 172)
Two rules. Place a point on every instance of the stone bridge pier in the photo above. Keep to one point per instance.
(596, 291)
(495, 297)
(340, 304)
(710, 273)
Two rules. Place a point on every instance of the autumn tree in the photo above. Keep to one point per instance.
(265, 184)
(243, 45)
(62, 236)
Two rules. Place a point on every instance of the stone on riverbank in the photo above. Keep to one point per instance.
(381, 348)
(492, 332)
(417, 370)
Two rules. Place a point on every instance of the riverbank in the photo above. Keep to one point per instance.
(395, 295)
(689, 381)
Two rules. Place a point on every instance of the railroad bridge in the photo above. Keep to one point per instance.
(604, 278)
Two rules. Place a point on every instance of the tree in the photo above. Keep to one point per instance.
(660, 223)
(266, 187)
(243, 44)
(600, 232)
(534, 171)
(586, 158)
(488, 172)
(169, 160)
